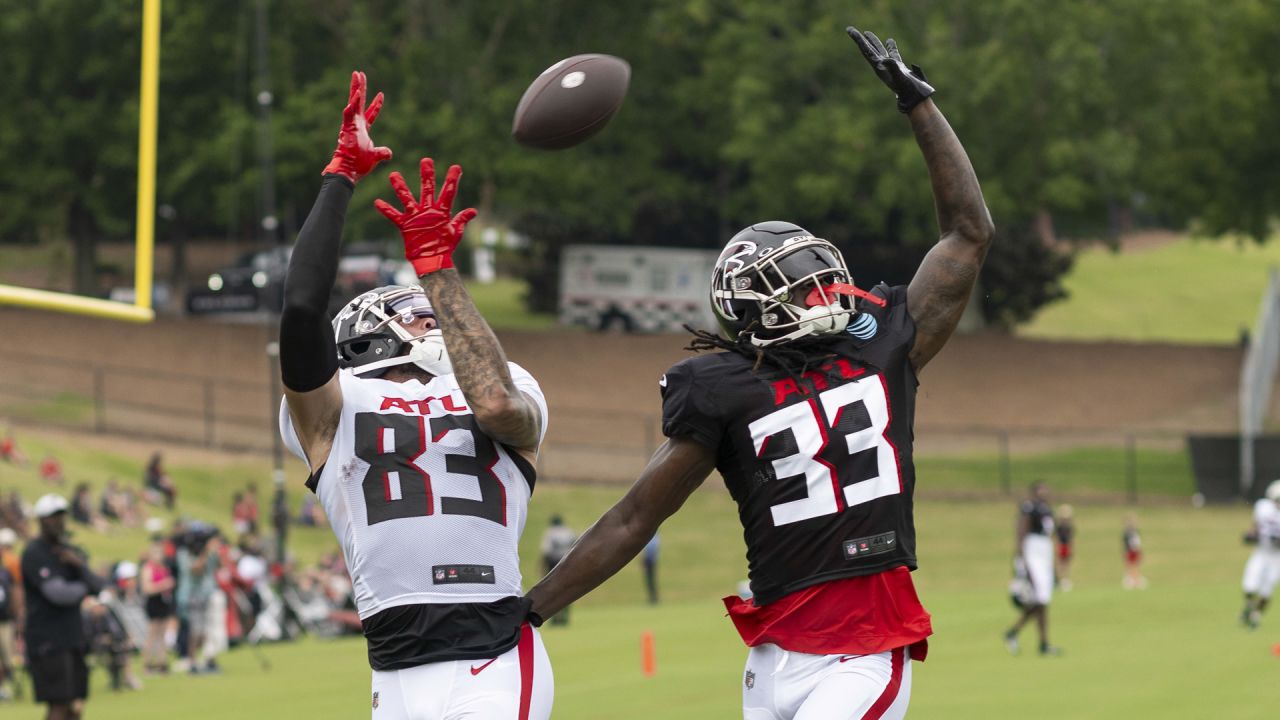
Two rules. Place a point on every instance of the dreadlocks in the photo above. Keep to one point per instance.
(795, 358)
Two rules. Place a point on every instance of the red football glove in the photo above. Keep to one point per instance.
(429, 234)
(356, 156)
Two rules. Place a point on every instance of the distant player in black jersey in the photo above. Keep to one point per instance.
(807, 413)
(1033, 552)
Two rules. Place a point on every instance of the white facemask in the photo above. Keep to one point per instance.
(429, 353)
(824, 319)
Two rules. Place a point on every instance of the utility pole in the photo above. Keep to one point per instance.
(269, 240)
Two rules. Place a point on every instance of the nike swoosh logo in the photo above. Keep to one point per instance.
(477, 670)
(844, 658)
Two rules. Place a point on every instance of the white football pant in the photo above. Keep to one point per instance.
(782, 685)
(1262, 572)
(1037, 550)
(516, 685)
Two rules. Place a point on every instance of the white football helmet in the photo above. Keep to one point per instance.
(371, 337)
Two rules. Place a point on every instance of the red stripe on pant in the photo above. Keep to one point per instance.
(525, 652)
(897, 657)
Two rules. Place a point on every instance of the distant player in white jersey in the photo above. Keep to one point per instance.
(422, 456)
(1263, 569)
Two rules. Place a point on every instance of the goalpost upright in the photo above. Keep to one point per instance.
(148, 105)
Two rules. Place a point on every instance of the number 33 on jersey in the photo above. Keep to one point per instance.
(819, 464)
(429, 509)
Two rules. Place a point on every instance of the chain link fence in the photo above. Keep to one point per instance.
(591, 445)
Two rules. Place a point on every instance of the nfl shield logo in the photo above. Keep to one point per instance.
(375, 699)
(439, 574)
(749, 679)
(851, 548)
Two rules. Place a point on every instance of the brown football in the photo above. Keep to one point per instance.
(571, 101)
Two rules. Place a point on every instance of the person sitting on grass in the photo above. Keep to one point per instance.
(51, 470)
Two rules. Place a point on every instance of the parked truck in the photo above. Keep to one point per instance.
(635, 288)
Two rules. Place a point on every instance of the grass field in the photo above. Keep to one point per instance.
(1171, 651)
(1188, 291)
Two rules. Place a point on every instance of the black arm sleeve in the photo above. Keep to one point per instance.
(308, 356)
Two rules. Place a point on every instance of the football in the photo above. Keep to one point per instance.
(571, 101)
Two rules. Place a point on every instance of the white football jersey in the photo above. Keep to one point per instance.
(427, 507)
(1267, 517)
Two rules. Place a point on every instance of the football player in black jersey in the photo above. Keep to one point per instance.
(807, 413)
(1033, 554)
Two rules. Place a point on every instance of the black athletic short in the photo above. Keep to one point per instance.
(60, 677)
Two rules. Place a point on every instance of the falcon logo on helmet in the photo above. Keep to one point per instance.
(775, 282)
(371, 335)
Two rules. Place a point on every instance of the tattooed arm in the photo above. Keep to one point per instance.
(504, 412)
(942, 285)
(431, 233)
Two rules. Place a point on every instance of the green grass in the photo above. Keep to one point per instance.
(1171, 651)
(1190, 291)
(1088, 470)
(64, 408)
(502, 304)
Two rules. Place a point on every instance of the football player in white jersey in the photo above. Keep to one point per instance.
(1262, 571)
(421, 440)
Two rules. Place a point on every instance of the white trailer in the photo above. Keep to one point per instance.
(635, 289)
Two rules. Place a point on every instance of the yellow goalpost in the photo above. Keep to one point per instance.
(140, 310)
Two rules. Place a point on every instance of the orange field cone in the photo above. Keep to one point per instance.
(1275, 649)
(648, 658)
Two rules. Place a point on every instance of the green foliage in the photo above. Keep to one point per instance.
(1078, 117)
(1161, 294)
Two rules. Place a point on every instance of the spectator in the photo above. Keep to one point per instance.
(239, 515)
(82, 505)
(197, 570)
(651, 569)
(308, 512)
(253, 579)
(1066, 532)
(251, 506)
(10, 610)
(556, 542)
(51, 470)
(280, 520)
(56, 579)
(156, 482)
(157, 585)
(109, 641)
(130, 507)
(14, 514)
(127, 603)
(109, 502)
(9, 451)
(1132, 540)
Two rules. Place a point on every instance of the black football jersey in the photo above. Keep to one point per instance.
(820, 465)
(1039, 517)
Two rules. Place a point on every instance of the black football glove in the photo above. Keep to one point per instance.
(908, 83)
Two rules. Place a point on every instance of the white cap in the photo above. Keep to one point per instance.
(8, 537)
(50, 505)
(127, 570)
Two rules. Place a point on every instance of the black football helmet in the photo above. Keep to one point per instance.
(370, 339)
(775, 282)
